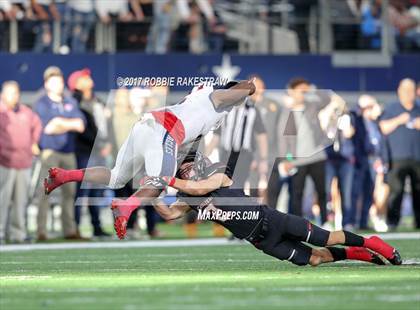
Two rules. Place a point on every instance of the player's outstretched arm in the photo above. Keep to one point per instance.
(172, 212)
(234, 95)
(201, 187)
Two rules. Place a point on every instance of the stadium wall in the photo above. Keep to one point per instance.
(27, 69)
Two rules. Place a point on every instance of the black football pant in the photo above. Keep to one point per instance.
(317, 172)
(400, 171)
(286, 234)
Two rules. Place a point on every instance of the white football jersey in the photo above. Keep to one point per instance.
(198, 113)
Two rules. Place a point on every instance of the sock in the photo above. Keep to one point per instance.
(73, 175)
(132, 203)
(126, 207)
(337, 253)
(378, 245)
(358, 253)
(352, 239)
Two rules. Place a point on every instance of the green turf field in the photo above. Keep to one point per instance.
(204, 277)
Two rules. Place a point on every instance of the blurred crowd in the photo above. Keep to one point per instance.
(195, 23)
(361, 24)
(303, 150)
(67, 127)
(360, 168)
(197, 26)
(352, 166)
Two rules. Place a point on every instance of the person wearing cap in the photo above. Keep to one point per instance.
(20, 129)
(61, 120)
(92, 145)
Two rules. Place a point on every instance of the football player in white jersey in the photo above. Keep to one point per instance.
(153, 143)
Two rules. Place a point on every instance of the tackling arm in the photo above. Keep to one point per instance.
(172, 212)
(201, 187)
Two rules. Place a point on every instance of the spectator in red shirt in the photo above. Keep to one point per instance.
(20, 129)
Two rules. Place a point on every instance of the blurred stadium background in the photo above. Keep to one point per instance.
(365, 51)
(352, 47)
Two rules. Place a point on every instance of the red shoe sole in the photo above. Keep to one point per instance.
(120, 226)
(52, 173)
(120, 222)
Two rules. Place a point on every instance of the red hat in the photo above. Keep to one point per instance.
(72, 80)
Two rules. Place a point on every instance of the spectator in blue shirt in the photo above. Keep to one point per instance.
(368, 153)
(61, 119)
(401, 124)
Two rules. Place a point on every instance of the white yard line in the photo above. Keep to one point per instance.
(114, 244)
(159, 243)
(398, 236)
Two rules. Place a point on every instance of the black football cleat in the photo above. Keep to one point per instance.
(376, 259)
(396, 258)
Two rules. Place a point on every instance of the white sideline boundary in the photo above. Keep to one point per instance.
(117, 244)
(160, 243)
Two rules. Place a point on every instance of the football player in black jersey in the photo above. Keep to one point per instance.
(207, 188)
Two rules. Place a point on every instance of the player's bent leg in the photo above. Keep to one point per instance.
(293, 251)
(97, 175)
(334, 254)
(122, 209)
(354, 253)
(159, 159)
(130, 157)
(301, 229)
(58, 176)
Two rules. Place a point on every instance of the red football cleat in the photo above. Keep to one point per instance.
(376, 244)
(53, 180)
(363, 254)
(121, 210)
(120, 226)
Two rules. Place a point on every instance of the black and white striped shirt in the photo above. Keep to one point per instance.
(240, 127)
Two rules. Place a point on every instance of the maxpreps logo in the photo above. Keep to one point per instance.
(211, 213)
